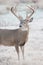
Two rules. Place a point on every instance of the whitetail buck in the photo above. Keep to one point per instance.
(16, 37)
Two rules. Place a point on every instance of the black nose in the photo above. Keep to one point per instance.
(20, 25)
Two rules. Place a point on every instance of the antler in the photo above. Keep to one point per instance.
(31, 13)
(19, 17)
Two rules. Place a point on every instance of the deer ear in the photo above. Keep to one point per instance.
(31, 19)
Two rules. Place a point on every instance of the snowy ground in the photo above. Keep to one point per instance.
(33, 47)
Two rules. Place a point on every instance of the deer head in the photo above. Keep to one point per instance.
(28, 18)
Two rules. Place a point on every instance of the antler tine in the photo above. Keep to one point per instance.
(15, 7)
(15, 13)
(32, 11)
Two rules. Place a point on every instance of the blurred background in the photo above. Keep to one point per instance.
(39, 3)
